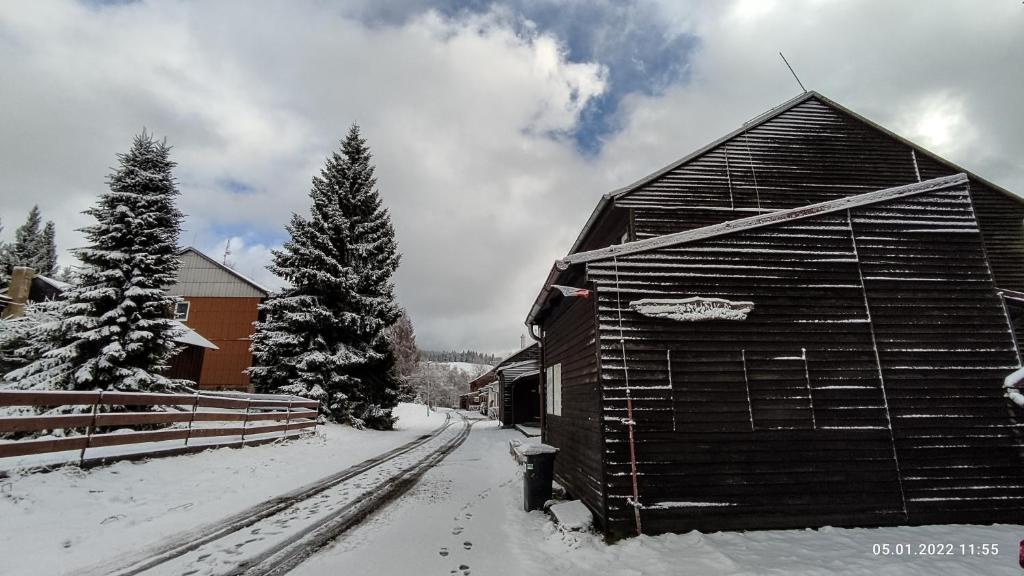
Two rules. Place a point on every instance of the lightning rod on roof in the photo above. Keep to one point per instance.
(792, 72)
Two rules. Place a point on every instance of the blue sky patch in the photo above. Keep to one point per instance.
(633, 39)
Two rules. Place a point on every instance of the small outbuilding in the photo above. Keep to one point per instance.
(518, 387)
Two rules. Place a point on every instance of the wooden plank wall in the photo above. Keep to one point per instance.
(734, 443)
(945, 347)
(577, 432)
(228, 323)
(809, 154)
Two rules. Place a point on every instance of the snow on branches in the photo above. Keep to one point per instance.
(115, 331)
(325, 337)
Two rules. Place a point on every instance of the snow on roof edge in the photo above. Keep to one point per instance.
(767, 219)
(192, 338)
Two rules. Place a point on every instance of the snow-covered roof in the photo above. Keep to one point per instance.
(523, 351)
(61, 286)
(190, 337)
(517, 370)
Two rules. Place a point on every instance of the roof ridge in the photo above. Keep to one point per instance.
(760, 220)
(227, 269)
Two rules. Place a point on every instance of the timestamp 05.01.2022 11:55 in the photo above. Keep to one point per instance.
(935, 549)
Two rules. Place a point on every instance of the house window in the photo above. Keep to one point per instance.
(181, 311)
(553, 388)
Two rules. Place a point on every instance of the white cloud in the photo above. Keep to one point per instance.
(459, 114)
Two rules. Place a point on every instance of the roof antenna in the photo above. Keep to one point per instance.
(793, 73)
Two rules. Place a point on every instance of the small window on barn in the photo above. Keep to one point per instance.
(553, 389)
(181, 311)
(779, 392)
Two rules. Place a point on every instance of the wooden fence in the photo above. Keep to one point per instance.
(187, 417)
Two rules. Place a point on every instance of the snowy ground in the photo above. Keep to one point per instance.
(62, 521)
(465, 518)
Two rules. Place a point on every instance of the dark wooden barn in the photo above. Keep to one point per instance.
(519, 387)
(808, 325)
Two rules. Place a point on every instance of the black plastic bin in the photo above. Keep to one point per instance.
(540, 469)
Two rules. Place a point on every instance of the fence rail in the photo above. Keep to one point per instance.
(186, 419)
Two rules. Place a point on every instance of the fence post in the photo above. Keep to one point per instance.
(88, 431)
(288, 418)
(245, 423)
(195, 406)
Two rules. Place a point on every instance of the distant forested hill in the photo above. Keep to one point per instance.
(469, 356)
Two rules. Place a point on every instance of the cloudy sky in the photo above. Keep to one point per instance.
(496, 126)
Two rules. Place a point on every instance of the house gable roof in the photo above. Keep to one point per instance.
(193, 282)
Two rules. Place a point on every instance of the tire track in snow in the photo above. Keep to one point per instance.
(287, 555)
(152, 559)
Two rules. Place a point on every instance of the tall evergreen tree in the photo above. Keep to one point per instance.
(325, 337)
(116, 331)
(27, 242)
(48, 247)
(33, 247)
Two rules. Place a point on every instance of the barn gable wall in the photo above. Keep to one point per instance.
(808, 154)
(790, 418)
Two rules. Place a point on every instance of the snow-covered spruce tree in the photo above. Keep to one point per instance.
(48, 250)
(325, 336)
(115, 331)
(33, 247)
(26, 250)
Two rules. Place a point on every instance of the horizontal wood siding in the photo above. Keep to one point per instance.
(781, 420)
(945, 347)
(228, 323)
(809, 154)
(569, 340)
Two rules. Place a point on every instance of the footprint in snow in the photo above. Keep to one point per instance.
(467, 545)
(457, 530)
(462, 570)
(443, 552)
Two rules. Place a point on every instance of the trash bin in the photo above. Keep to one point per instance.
(540, 469)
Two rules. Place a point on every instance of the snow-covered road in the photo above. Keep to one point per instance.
(465, 518)
(70, 519)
